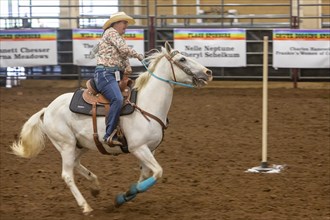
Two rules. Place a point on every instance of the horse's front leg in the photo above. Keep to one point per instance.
(148, 160)
(145, 171)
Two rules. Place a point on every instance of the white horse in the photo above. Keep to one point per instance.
(71, 133)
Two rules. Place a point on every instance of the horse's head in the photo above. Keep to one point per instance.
(185, 69)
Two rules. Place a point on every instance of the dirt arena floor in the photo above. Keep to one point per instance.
(213, 138)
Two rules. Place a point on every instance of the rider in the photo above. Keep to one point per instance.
(112, 61)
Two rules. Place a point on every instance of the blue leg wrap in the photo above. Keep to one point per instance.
(134, 190)
(146, 184)
(119, 200)
(122, 198)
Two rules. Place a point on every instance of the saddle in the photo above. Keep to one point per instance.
(83, 100)
(92, 94)
(90, 101)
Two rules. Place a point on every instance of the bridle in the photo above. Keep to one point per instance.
(182, 67)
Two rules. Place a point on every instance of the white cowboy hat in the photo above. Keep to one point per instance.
(118, 16)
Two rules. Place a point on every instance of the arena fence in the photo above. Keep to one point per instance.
(158, 28)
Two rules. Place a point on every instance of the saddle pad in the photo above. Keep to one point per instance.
(78, 105)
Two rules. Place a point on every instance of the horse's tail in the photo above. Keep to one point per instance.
(32, 137)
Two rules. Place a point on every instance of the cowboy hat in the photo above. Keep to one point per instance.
(119, 16)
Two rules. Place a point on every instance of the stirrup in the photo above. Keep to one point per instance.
(113, 140)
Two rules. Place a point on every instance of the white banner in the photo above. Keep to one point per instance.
(301, 48)
(85, 39)
(213, 47)
(28, 48)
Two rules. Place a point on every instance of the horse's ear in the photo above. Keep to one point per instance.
(168, 47)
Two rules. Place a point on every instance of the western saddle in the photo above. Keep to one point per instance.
(92, 96)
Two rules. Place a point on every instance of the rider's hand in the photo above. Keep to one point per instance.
(128, 70)
(140, 57)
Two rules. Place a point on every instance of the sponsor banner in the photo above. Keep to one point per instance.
(213, 47)
(85, 39)
(301, 48)
(28, 48)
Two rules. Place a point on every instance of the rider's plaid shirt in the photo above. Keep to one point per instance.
(113, 50)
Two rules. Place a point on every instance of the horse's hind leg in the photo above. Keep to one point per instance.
(68, 164)
(95, 187)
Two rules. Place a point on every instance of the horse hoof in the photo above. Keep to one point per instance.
(95, 192)
(119, 200)
(87, 211)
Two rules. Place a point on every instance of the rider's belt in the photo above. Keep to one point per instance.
(108, 68)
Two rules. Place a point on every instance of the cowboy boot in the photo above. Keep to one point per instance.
(113, 140)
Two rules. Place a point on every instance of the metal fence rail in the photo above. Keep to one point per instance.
(223, 17)
(158, 28)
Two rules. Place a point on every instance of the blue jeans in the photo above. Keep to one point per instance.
(108, 86)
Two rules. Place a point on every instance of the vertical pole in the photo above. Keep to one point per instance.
(291, 12)
(30, 11)
(198, 10)
(154, 24)
(295, 71)
(175, 10)
(295, 76)
(264, 103)
(10, 14)
(222, 12)
(137, 11)
(146, 22)
(295, 25)
(152, 34)
(297, 22)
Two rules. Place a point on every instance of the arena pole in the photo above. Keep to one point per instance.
(264, 163)
(264, 168)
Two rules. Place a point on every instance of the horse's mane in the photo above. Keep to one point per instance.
(144, 77)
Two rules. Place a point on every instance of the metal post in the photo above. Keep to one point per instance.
(295, 77)
(152, 32)
(264, 163)
(154, 24)
(295, 71)
(30, 10)
(222, 13)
